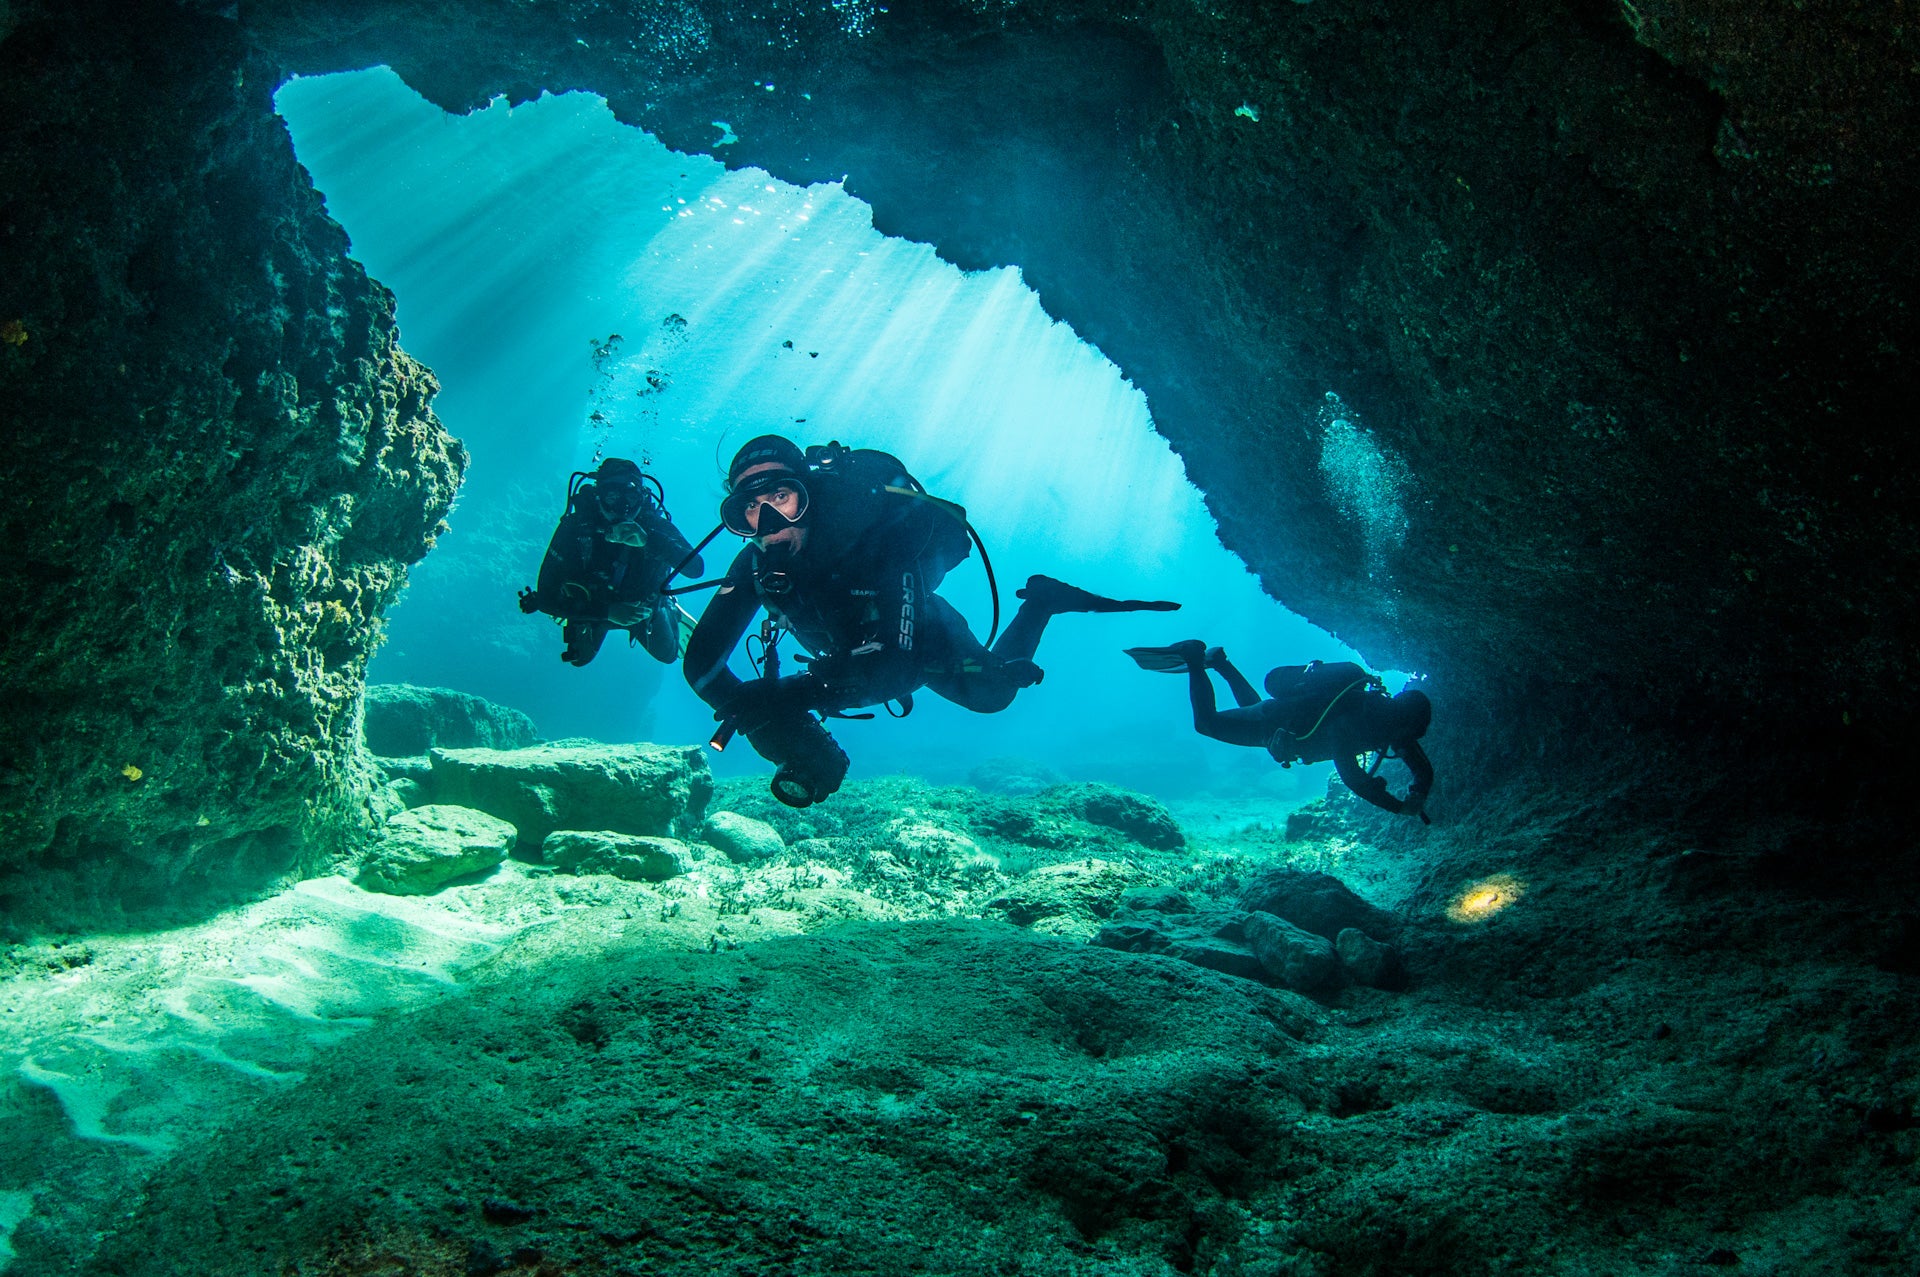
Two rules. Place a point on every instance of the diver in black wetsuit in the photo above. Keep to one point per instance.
(1326, 710)
(845, 553)
(607, 562)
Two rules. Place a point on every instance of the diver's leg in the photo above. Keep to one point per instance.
(1044, 598)
(1243, 693)
(662, 636)
(583, 639)
(962, 670)
(1247, 725)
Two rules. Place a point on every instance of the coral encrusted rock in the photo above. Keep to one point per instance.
(628, 789)
(424, 849)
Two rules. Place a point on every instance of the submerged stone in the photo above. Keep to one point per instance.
(628, 789)
(742, 838)
(1210, 938)
(1317, 902)
(421, 850)
(1294, 957)
(636, 858)
(1072, 896)
(1369, 962)
(1142, 819)
(405, 721)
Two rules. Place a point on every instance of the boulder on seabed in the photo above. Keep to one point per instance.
(1068, 898)
(421, 850)
(1211, 938)
(1316, 902)
(1369, 962)
(627, 789)
(634, 857)
(406, 721)
(742, 838)
(1142, 819)
(1294, 957)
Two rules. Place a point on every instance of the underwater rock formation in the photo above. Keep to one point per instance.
(219, 465)
(404, 721)
(423, 849)
(627, 789)
(633, 857)
(1612, 300)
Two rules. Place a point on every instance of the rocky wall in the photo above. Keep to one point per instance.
(219, 463)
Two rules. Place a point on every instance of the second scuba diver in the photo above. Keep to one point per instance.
(607, 564)
(845, 552)
(1312, 713)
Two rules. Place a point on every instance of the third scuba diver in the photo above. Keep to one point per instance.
(844, 552)
(1326, 710)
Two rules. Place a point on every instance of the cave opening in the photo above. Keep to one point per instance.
(581, 291)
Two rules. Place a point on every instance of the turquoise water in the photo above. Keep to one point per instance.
(519, 240)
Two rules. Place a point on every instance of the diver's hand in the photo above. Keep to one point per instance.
(752, 706)
(529, 600)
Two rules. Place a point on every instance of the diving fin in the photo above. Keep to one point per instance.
(1056, 596)
(1169, 660)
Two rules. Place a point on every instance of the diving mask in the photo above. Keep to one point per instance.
(618, 502)
(743, 513)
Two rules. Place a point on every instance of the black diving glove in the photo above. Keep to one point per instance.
(811, 764)
(529, 600)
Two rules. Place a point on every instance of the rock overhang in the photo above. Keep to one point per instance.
(1614, 293)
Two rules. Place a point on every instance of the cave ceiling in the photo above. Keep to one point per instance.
(1618, 295)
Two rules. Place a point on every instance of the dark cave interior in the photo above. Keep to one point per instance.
(1626, 288)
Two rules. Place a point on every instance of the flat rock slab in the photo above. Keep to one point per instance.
(421, 850)
(1211, 938)
(627, 789)
(634, 857)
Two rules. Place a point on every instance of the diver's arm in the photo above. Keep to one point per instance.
(1417, 762)
(1371, 788)
(673, 546)
(563, 567)
(721, 626)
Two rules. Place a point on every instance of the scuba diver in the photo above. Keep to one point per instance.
(1312, 713)
(845, 551)
(608, 564)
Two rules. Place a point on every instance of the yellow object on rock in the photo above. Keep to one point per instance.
(131, 772)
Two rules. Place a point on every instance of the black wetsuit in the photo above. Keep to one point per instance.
(595, 585)
(1350, 728)
(859, 597)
